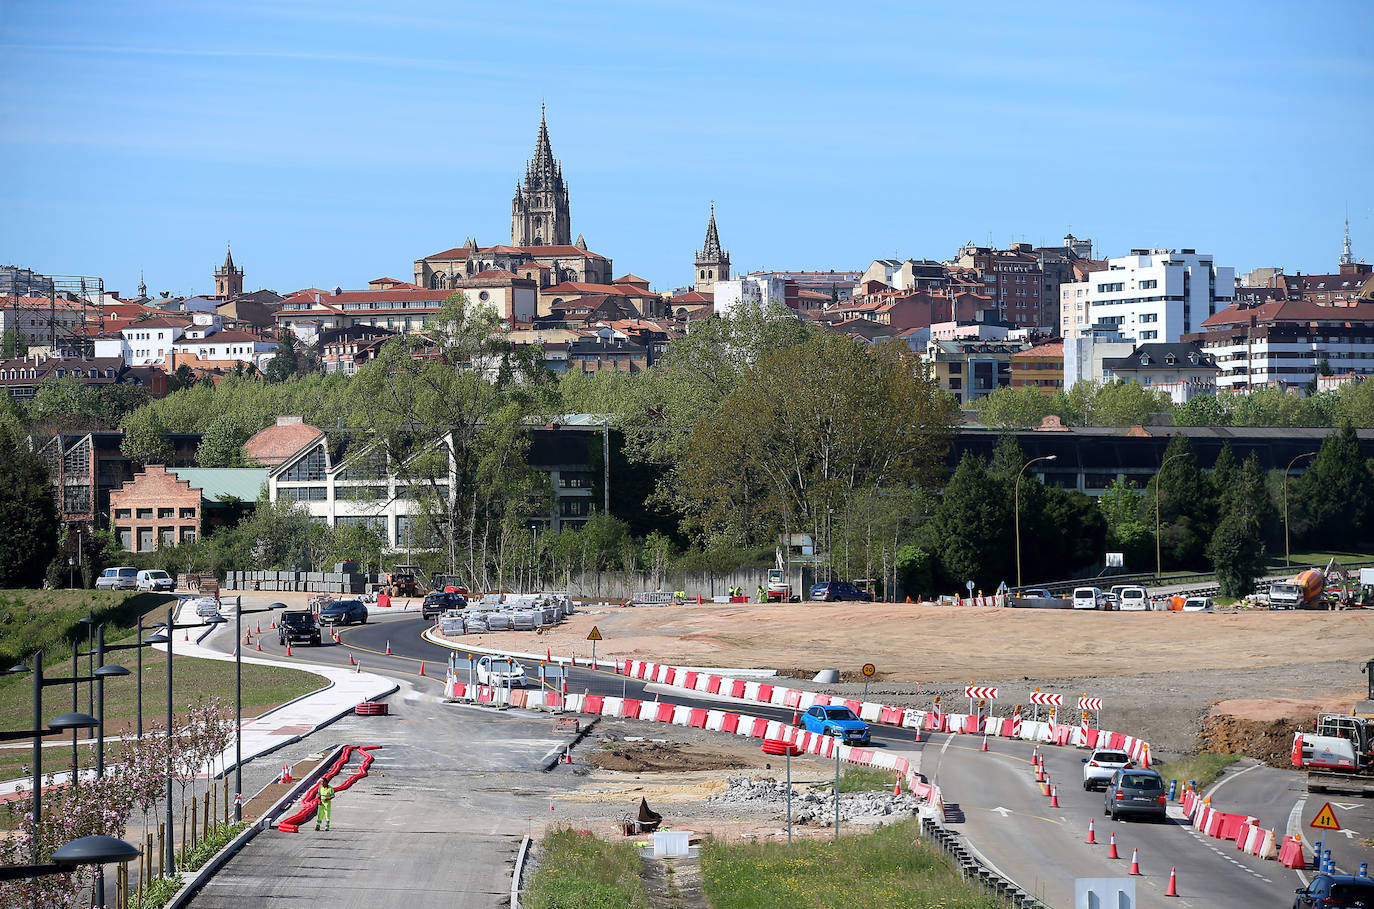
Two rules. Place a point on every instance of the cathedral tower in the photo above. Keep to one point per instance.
(228, 279)
(712, 263)
(539, 211)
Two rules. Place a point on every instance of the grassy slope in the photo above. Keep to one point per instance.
(583, 872)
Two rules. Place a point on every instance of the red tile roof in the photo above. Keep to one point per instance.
(1291, 311)
(493, 273)
(693, 296)
(1048, 349)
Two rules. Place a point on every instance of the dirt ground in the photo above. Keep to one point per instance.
(1160, 674)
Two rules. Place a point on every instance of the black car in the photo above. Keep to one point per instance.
(1336, 890)
(830, 591)
(436, 604)
(344, 612)
(1135, 793)
(298, 625)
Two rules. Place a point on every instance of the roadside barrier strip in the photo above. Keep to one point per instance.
(700, 718)
(931, 721)
(311, 800)
(1248, 836)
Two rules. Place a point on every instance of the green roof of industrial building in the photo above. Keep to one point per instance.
(219, 483)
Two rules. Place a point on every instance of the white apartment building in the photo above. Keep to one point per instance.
(756, 290)
(1152, 295)
(1287, 343)
(146, 343)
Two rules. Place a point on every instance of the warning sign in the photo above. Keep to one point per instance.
(594, 634)
(1326, 819)
(869, 670)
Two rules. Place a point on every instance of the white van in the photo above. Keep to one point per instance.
(1134, 599)
(1087, 597)
(155, 579)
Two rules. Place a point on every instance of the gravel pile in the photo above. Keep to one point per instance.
(812, 807)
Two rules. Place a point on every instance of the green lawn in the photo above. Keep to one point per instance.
(863, 779)
(1302, 560)
(882, 868)
(579, 871)
(1203, 768)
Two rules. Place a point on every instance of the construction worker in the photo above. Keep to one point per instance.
(326, 797)
(763, 594)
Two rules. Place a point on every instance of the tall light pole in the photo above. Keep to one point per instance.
(1017, 510)
(1159, 570)
(1306, 454)
(239, 612)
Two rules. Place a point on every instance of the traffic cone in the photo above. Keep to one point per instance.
(259, 631)
(259, 645)
(235, 654)
(548, 655)
(1035, 757)
(288, 648)
(358, 669)
(286, 773)
(274, 625)
(796, 718)
(248, 637)
(422, 667)
(1092, 834)
(351, 661)
(574, 659)
(1135, 861)
(388, 648)
(985, 744)
(897, 787)
(1054, 797)
(1173, 883)
(1112, 853)
(918, 733)
(1040, 773)
(186, 635)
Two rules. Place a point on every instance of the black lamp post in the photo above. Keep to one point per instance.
(87, 850)
(164, 636)
(138, 646)
(239, 612)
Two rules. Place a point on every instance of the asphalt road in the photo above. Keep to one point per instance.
(991, 798)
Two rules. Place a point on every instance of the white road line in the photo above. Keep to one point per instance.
(1294, 827)
(945, 746)
(1228, 778)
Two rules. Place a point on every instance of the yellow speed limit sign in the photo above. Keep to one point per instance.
(869, 670)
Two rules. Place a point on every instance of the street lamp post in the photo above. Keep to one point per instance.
(1016, 495)
(87, 850)
(1159, 569)
(1306, 454)
(238, 698)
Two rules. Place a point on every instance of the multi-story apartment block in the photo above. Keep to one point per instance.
(1150, 295)
(1041, 367)
(1013, 277)
(1182, 370)
(971, 369)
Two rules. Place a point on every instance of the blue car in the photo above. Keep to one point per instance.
(830, 591)
(343, 612)
(837, 721)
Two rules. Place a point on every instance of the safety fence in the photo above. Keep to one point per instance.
(754, 692)
(1241, 829)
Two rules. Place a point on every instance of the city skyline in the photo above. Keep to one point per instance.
(332, 145)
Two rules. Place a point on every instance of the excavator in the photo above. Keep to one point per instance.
(1338, 754)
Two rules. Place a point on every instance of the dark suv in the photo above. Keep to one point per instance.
(1335, 890)
(436, 604)
(831, 591)
(1138, 793)
(298, 625)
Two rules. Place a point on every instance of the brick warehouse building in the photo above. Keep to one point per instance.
(161, 507)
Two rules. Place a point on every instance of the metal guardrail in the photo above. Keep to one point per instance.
(974, 872)
(1206, 581)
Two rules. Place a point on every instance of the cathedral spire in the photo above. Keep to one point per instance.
(539, 211)
(228, 257)
(711, 263)
(543, 162)
(1347, 257)
(712, 248)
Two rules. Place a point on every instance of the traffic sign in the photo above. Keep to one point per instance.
(870, 670)
(969, 585)
(980, 691)
(1326, 819)
(1051, 700)
(595, 634)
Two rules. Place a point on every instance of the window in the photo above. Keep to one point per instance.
(308, 469)
(122, 514)
(1149, 317)
(955, 384)
(145, 514)
(1148, 336)
(568, 479)
(167, 536)
(164, 513)
(145, 540)
(188, 534)
(956, 368)
(1149, 284)
(574, 508)
(187, 514)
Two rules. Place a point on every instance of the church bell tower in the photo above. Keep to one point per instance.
(539, 211)
(712, 263)
(228, 279)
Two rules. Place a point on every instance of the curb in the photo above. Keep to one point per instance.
(519, 872)
(428, 635)
(202, 876)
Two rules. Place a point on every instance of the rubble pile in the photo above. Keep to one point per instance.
(810, 806)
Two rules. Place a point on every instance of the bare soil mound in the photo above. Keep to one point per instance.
(657, 757)
(1269, 741)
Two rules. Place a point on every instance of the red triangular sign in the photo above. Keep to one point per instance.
(1326, 819)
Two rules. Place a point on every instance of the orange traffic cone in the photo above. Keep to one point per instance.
(422, 667)
(985, 744)
(288, 649)
(897, 787)
(1054, 797)
(1092, 834)
(259, 645)
(918, 733)
(1040, 773)
(273, 624)
(1035, 757)
(1173, 883)
(796, 718)
(186, 635)
(1135, 861)
(286, 773)
(259, 631)
(351, 661)
(1113, 853)
(358, 669)
(548, 655)
(388, 648)
(248, 637)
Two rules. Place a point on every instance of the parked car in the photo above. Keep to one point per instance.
(123, 578)
(830, 591)
(1198, 604)
(1110, 602)
(1039, 592)
(155, 579)
(436, 604)
(343, 612)
(1335, 890)
(501, 672)
(1134, 599)
(298, 625)
(1087, 598)
(828, 719)
(1099, 769)
(1139, 793)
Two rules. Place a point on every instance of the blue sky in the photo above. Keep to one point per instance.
(337, 142)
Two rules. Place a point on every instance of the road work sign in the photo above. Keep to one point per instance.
(1326, 819)
(595, 634)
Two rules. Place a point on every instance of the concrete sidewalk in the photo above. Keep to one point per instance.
(278, 727)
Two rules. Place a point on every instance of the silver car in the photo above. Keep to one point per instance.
(117, 579)
(1099, 769)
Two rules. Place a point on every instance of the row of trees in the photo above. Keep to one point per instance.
(131, 795)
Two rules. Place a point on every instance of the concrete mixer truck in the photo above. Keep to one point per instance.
(1305, 590)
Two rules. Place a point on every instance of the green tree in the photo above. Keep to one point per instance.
(1128, 532)
(1018, 407)
(1336, 494)
(1204, 410)
(1224, 469)
(67, 405)
(28, 515)
(1237, 550)
(222, 443)
(1119, 403)
(1186, 507)
(971, 531)
(183, 377)
(145, 437)
(282, 366)
(13, 344)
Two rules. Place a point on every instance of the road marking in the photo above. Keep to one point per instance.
(1002, 811)
(1294, 827)
(945, 747)
(1345, 807)
(1226, 779)
(1350, 834)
